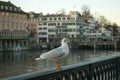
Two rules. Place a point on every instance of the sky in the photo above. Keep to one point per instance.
(108, 8)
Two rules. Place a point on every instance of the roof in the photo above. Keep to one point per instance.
(55, 15)
(9, 7)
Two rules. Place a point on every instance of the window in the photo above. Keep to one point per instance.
(43, 33)
(11, 8)
(15, 9)
(3, 21)
(1, 7)
(44, 28)
(50, 18)
(19, 9)
(51, 36)
(55, 18)
(59, 18)
(52, 24)
(45, 23)
(58, 24)
(6, 7)
(68, 18)
(44, 18)
(40, 23)
(40, 28)
(7, 22)
(63, 18)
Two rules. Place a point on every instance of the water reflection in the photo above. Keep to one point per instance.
(16, 63)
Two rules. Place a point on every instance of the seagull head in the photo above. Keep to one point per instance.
(65, 41)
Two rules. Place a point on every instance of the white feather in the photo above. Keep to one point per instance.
(57, 53)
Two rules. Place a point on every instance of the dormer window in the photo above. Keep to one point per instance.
(1, 7)
(6, 7)
(19, 9)
(15, 9)
(10, 8)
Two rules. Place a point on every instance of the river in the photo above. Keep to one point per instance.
(23, 62)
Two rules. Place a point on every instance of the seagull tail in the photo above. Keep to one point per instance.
(39, 58)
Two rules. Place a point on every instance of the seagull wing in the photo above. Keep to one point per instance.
(55, 53)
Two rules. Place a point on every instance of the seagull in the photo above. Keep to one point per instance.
(56, 54)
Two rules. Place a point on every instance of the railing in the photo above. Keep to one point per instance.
(13, 37)
(105, 68)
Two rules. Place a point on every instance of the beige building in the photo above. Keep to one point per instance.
(12, 26)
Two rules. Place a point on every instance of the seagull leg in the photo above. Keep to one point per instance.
(57, 65)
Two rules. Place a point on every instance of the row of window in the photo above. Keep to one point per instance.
(61, 36)
(32, 25)
(21, 19)
(10, 8)
(63, 30)
(12, 22)
(42, 33)
(12, 34)
(44, 28)
(57, 18)
(59, 24)
(4, 26)
(8, 15)
(60, 30)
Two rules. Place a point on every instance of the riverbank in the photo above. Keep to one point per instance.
(79, 45)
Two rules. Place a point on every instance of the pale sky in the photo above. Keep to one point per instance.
(108, 8)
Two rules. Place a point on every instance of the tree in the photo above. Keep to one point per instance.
(86, 12)
(115, 31)
(102, 21)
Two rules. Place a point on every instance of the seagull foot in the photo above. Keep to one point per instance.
(57, 65)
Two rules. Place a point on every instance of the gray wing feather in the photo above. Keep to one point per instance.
(55, 53)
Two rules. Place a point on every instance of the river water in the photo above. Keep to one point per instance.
(23, 62)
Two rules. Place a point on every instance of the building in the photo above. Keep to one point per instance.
(105, 32)
(12, 26)
(57, 26)
(32, 26)
(92, 23)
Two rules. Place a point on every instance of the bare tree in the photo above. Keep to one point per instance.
(86, 12)
(61, 11)
(102, 21)
(115, 30)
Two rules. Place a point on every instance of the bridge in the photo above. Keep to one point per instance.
(102, 68)
(91, 44)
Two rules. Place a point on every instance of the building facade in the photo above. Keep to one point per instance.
(57, 26)
(32, 26)
(12, 26)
